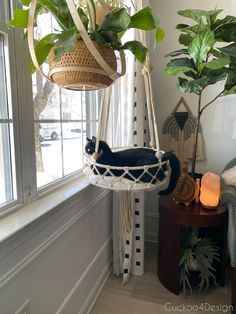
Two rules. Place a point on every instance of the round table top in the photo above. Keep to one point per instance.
(194, 215)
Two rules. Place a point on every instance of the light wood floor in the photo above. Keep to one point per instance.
(146, 295)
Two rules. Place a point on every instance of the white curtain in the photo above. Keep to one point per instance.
(130, 128)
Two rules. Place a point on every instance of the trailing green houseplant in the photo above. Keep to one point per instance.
(109, 34)
(197, 254)
(208, 57)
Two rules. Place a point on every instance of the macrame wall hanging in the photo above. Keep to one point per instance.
(178, 133)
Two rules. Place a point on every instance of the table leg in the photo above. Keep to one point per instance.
(169, 254)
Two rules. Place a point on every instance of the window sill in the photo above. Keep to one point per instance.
(14, 222)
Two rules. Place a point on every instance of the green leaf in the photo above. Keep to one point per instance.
(137, 49)
(26, 3)
(177, 70)
(143, 19)
(42, 49)
(195, 29)
(66, 42)
(227, 20)
(192, 14)
(63, 22)
(117, 21)
(181, 26)
(197, 15)
(213, 76)
(194, 86)
(230, 91)
(211, 19)
(20, 18)
(200, 46)
(96, 36)
(185, 39)
(216, 63)
(177, 53)
(186, 62)
(229, 50)
(217, 53)
(160, 34)
(226, 32)
(83, 17)
(231, 79)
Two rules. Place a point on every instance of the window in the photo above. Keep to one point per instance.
(43, 128)
(7, 162)
(63, 119)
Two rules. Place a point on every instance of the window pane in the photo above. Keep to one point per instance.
(62, 120)
(48, 152)
(3, 83)
(72, 147)
(7, 160)
(72, 104)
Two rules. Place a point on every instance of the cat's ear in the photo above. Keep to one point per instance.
(88, 140)
(94, 139)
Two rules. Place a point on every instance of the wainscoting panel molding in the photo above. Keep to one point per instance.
(60, 261)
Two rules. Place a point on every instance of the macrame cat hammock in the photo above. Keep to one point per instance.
(103, 175)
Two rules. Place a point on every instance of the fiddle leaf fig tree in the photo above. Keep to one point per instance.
(208, 57)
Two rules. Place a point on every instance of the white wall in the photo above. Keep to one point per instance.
(60, 261)
(217, 120)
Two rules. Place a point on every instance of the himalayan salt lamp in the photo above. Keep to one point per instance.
(210, 190)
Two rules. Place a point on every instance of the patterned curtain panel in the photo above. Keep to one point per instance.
(128, 248)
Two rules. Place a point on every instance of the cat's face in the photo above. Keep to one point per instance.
(90, 146)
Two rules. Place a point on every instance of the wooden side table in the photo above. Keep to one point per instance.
(212, 223)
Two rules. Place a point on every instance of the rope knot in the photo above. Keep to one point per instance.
(147, 69)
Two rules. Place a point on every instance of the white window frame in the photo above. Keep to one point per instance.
(20, 96)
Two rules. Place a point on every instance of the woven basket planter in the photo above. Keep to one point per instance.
(76, 79)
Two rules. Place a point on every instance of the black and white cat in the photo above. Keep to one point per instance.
(135, 157)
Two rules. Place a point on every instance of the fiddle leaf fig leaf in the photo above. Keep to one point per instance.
(20, 18)
(200, 46)
(214, 75)
(117, 21)
(227, 20)
(180, 66)
(216, 63)
(194, 86)
(177, 70)
(137, 49)
(192, 14)
(143, 19)
(229, 50)
(177, 53)
(226, 32)
(185, 39)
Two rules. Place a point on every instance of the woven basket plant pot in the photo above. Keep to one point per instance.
(82, 57)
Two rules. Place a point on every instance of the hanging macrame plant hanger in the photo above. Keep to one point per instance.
(89, 67)
(92, 67)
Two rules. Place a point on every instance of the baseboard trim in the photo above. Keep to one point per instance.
(97, 286)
